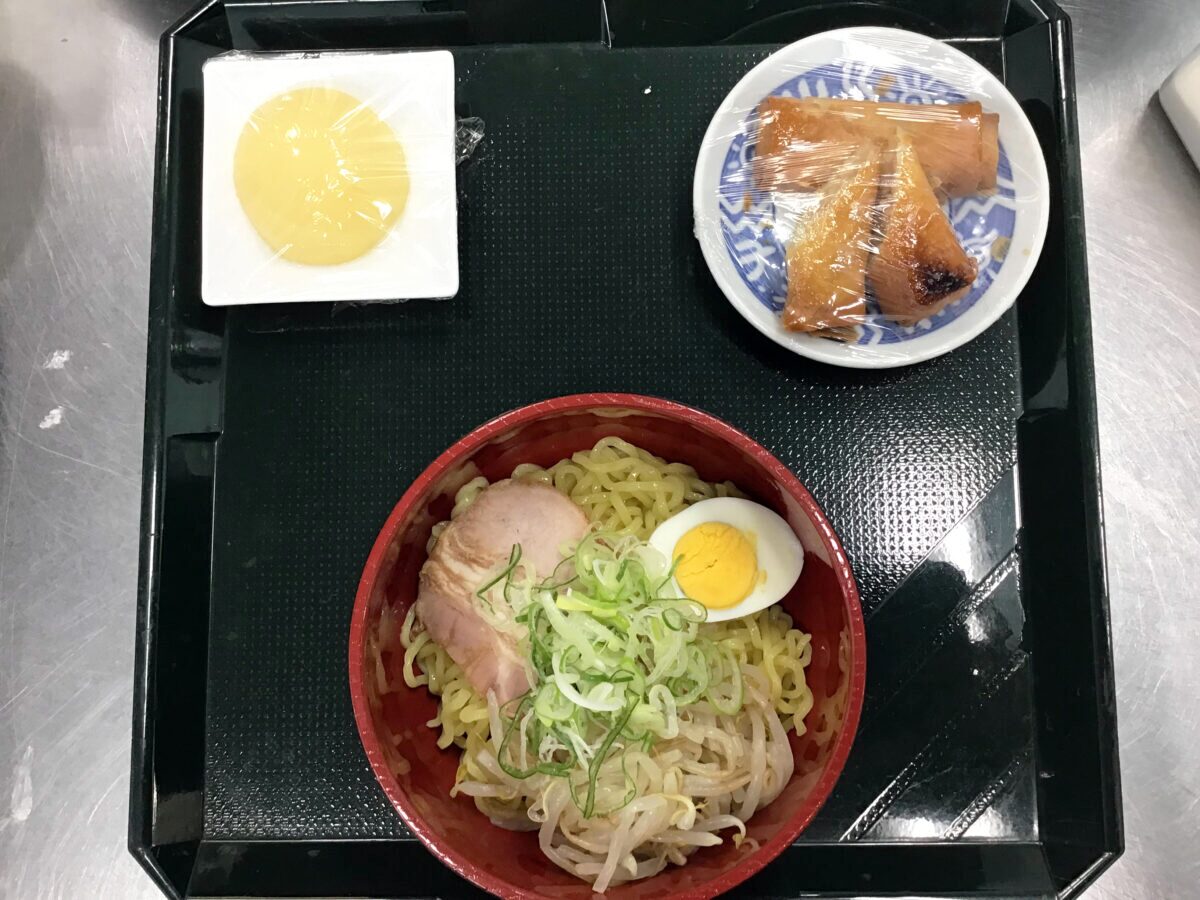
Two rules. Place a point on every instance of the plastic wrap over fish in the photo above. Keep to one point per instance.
(873, 198)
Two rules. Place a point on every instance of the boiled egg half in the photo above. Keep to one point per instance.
(733, 556)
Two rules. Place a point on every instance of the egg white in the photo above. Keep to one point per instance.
(780, 553)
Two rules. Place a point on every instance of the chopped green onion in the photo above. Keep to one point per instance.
(616, 656)
(514, 557)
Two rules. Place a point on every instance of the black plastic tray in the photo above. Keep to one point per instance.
(966, 489)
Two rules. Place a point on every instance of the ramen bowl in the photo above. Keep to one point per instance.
(416, 775)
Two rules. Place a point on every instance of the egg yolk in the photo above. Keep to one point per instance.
(717, 565)
(320, 176)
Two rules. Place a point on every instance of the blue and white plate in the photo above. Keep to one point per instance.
(743, 232)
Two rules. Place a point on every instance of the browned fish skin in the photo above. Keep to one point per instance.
(827, 260)
(919, 265)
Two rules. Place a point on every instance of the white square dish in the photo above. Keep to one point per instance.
(413, 93)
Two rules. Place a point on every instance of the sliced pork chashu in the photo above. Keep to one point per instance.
(472, 550)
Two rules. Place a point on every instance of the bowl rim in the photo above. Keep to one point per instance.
(476, 439)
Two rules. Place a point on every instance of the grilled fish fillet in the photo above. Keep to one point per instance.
(827, 260)
(919, 265)
(803, 143)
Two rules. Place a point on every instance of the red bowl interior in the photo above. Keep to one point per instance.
(417, 776)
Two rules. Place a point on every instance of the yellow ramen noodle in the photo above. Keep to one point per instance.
(624, 488)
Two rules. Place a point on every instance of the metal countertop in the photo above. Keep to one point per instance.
(77, 117)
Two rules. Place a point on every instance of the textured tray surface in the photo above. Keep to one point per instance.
(580, 272)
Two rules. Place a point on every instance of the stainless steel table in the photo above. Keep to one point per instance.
(77, 107)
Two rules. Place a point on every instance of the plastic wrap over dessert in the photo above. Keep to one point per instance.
(871, 197)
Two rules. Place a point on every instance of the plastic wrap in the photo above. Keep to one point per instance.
(468, 134)
(870, 197)
(330, 176)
